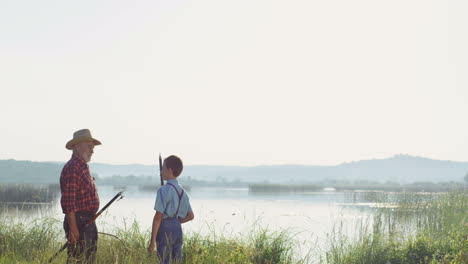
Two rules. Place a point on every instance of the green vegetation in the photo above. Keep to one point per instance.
(422, 229)
(418, 228)
(36, 242)
(396, 187)
(26, 193)
(261, 247)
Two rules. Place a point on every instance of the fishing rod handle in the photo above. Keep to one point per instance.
(160, 170)
(104, 208)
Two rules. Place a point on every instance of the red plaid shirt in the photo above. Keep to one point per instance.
(78, 189)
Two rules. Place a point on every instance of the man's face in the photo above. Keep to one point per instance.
(85, 150)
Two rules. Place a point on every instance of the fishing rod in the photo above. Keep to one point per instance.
(117, 196)
(160, 170)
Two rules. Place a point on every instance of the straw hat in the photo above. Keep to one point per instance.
(81, 136)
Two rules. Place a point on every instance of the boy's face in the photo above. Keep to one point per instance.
(165, 172)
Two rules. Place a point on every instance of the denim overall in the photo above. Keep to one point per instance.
(169, 238)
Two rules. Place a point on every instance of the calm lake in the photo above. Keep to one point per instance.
(235, 212)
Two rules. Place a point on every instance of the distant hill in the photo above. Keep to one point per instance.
(14, 171)
(399, 168)
(404, 169)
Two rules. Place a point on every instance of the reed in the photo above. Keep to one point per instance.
(25, 193)
(426, 229)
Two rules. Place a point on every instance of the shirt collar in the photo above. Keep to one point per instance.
(172, 181)
(79, 160)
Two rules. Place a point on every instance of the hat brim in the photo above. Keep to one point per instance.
(72, 142)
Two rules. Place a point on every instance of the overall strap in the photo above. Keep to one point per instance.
(179, 195)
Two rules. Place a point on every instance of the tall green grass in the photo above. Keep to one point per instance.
(37, 241)
(423, 229)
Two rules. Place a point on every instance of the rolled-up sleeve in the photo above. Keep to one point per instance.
(189, 208)
(185, 206)
(159, 203)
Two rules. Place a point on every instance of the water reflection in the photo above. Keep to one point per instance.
(27, 210)
(20, 200)
(34, 199)
(234, 210)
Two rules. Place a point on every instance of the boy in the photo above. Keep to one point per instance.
(172, 209)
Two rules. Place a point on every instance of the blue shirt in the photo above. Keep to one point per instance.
(167, 201)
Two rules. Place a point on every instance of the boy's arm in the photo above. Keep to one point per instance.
(188, 217)
(154, 231)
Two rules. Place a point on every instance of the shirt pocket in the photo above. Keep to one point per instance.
(88, 187)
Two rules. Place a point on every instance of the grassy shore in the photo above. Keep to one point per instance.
(430, 229)
(418, 229)
(37, 241)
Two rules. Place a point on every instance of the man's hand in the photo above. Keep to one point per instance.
(73, 236)
(151, 247)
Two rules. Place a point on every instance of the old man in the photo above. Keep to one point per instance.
(80, 199)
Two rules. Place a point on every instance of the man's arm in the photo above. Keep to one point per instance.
(154, 231)
(188, 217)
(73, 234)
(69, 188)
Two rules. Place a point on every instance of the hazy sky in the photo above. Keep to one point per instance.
(235, 82)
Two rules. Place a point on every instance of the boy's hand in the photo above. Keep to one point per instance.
(151, 247)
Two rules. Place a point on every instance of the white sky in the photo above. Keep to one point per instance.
(245, 82)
